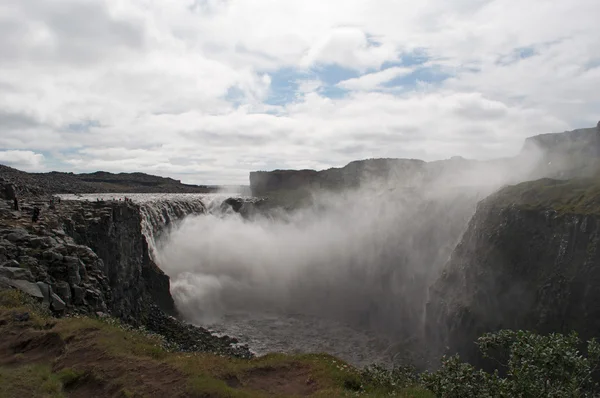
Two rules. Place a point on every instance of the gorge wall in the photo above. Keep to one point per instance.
(113, 230)
(558, 155)
(528, 260)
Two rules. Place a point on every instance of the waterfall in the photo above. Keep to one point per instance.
(160, 216)
(160, 213)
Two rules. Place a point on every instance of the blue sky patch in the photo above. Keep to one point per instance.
(235, 95)
(426, 74)
(516, 55)
(285, 82)
(284, 86)
(82, 127)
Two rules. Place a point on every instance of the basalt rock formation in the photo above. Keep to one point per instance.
(92, 258)
(529, 259)
(113, 231)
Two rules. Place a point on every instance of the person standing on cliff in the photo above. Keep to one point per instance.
(36, 214)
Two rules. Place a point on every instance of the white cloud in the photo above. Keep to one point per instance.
(179, 88)
(350, 48)
(24, 160)
(308, 86)
(372, 81)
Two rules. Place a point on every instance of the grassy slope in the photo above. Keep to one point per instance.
(47, 357)
(576, 196)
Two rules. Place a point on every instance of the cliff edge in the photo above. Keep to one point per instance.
(528, 260)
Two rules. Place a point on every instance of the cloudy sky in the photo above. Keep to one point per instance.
(207, 90)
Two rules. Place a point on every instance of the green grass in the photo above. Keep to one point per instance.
(576, 196)
(205, 374)
(35, 380)
(70, 376)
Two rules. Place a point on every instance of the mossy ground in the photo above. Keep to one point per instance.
(47, 357)
(576, 196)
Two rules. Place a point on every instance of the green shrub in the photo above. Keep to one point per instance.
(537, 366)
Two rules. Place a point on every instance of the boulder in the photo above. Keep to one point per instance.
(78, 295)
(17, 235)
(42, 242)
(16, 273)
(28, 262)
(57, 303)
(26, 287)
(11, 263)
(73, 271)
(52, 256)
(63, 290)
(46, 291)
(21, 317)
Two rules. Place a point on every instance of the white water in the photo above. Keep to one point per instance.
(347, 276)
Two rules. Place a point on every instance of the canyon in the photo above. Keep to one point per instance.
(428, 254)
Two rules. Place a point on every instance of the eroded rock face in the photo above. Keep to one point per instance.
(86, 257)
(519, 269)
(92, 258)
(112, 230)
(40, 266)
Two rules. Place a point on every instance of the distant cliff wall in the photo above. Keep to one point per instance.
(558, 155)
(350, 176)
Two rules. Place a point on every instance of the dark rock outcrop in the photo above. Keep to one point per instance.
(92, 258)
(247, 207)
(113, 231)
(529, 259)
(53, 267)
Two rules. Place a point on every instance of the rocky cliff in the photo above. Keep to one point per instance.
(35, 184)
(566, 155)
(528, 260)
(558, 155)
(93, 258)
(350, 176)
(113, 231)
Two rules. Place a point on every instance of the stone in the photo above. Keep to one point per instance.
(74, 280)
(51, 255)
(71, 260)
(43, 242)
(63, 290)
(57, 303)
(26, 287)
(28, 262)
(21, 317)
(17, 235)
(82, 272)
(16, 273)
(11, 263)
(46, 291)
(78, 295)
